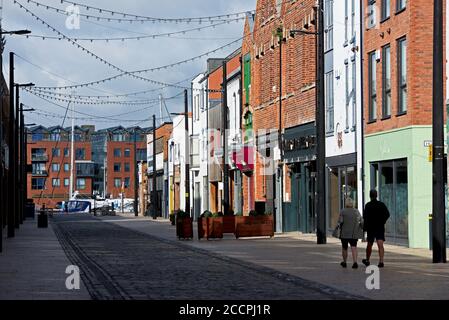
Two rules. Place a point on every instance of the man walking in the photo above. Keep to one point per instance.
(375, 217)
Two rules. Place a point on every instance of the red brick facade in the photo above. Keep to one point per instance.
(50, 196)
(416, 24)
(164, 132)
(127, 167)
(298, 76)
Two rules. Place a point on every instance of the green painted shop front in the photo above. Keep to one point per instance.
(300, 154)
(299, 213)
(398, 167)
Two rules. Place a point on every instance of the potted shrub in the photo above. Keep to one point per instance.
(254, 225)
(184, 225)
(210, 225)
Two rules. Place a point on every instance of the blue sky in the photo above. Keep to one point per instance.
(64, 63)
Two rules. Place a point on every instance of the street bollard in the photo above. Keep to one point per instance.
(430, 232)
(42, 218)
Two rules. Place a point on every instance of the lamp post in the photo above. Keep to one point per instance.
(18, 154)
(320, 122)
(11, 161)
(2, 177)
(225, 139)
(24, 136)
(438, 192)
(173, 160)
(154, 193)
(136, 176)
(279, 32)
(187, 158)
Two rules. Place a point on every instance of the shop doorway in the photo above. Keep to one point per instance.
(342, 185)
(390, 179)
(300, 215)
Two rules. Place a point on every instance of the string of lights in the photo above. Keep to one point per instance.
(94, 89)
(90, 102)
(110, 27)
(96, 117)
(68, 95)
(127, 17)
(109, 64)
(141, 37)
(55, 116)
(171, 65)
(110, 117)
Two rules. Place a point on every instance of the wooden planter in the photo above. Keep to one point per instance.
(229, 224)
(254, 226)
(184, 228)
(210, 228)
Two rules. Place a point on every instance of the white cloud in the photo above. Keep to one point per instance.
(64, 59)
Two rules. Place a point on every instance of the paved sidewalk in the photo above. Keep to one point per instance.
(409, 273)
(32, 266)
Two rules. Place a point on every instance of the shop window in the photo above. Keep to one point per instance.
(342, 185)
(390, 179)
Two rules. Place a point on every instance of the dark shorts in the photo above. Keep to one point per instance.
(345, 242)
(372, 236)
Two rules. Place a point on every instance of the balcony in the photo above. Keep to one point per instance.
(39, 157)
(85, 170)
(39, 173)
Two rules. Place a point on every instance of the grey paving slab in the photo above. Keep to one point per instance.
(32, 266)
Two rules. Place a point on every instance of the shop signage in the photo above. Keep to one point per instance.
(300, 143)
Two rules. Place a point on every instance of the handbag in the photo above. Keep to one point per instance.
(337, 231)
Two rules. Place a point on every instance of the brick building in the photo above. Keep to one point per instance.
(125, 147)
(163, 133)
(398, 113)
(48, 153)
(267, 110)
(214, 126)
(176, 170)
(215, 132)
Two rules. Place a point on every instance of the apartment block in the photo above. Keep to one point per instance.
(49, 155)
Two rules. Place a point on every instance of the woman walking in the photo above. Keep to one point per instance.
(351, 222)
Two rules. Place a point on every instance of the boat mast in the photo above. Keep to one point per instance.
(72, 157)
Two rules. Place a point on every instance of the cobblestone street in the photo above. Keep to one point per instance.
(119, 263)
